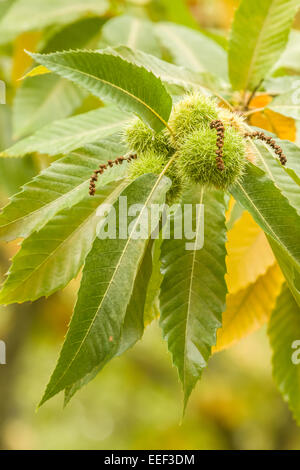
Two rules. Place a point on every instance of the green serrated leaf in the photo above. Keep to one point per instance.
(152, 297)
(109, 77)
(49, 259)
(286, 178)
(43, 99)
(193, 290)
(289, 268)
(272, 211)
(170, 74)
(62, 185)
(65, 135)
(259, 35)
(133, 325)
(106, 288)
(284, 334)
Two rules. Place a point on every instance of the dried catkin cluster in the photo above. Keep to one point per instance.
(219, 126)
(103, 166)
(271, 142)
(209, 145)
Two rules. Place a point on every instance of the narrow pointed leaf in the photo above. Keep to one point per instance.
(50, 258)
(133, 324)
(284, 334)
(45, 99)
(60, 186)
(152, 310)
(289, 268)
(286, 178)
(170, 74)
(193, 290)
(271, 210)
(259, 35)
(65, 135)
(111, 78)
(106, 288)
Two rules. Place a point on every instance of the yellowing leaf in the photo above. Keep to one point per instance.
(39, 70)
(249, 254)
(260, 101)
(230, 208)
(21, 60)
(283, 126)
(248, 309)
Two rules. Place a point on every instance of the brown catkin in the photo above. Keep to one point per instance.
(103, 167)
(271, 142)
(219, 126)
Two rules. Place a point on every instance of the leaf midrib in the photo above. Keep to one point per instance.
(52, 203)
(72, 234)
(258, 43)
(269, 170)
(83, 134)
(112, 278)
(136, 98)
(284, 247)
(190, 296)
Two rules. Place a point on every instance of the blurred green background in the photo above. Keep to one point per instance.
(136, 402)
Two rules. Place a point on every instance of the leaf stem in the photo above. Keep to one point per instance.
(253, 111)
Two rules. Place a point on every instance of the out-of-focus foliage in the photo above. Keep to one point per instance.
(235, 407)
